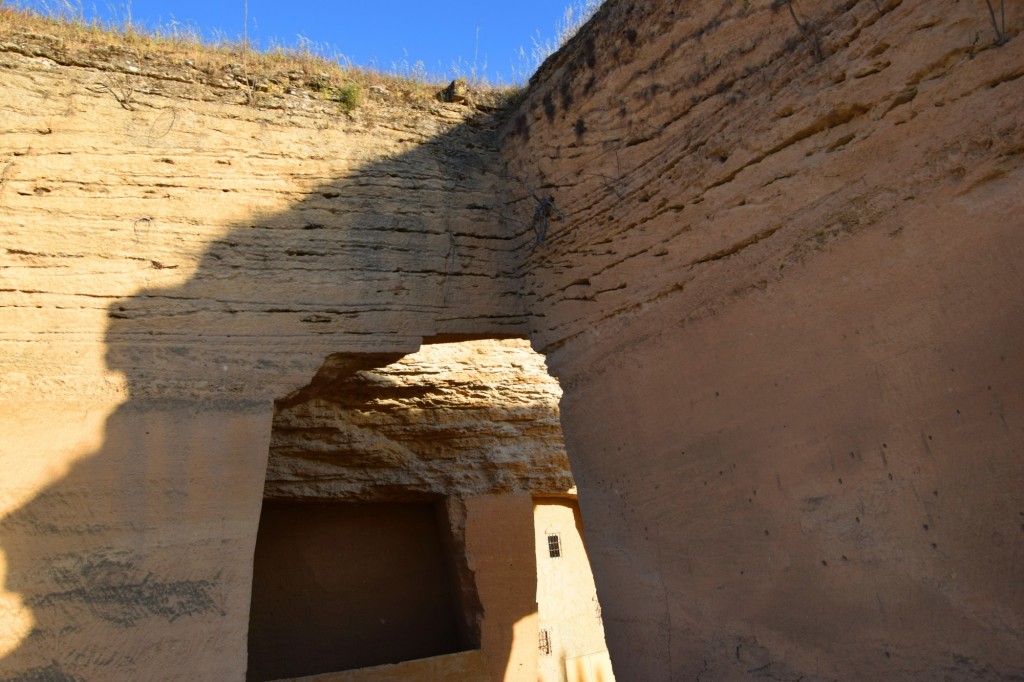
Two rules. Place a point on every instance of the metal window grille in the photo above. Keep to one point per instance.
(544, 642)
(554, 545)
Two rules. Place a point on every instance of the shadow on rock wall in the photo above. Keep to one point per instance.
(137, 563)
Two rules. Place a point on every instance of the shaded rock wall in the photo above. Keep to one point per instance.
(473, 424)
(772, 257)
(778, 277)
(174, 259)
(231, 232)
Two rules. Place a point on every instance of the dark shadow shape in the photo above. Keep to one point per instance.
(137, 555)
(342, 586)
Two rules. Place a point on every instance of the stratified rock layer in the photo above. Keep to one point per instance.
(147, 204)
(775, 261)
(473, 424)
(454, 419)
(772, 253)
(177, 251)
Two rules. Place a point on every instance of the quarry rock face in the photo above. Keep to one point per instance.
(473, 425)
(771, 251)
(454, 419)
(781, 287)
(288, 232)
(175, 258)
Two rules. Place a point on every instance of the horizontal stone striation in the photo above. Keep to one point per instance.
(773, 257)
(453, 422)
(149, 214)
(453, 419)
(772, 251)
(698, 153)
(177, 251)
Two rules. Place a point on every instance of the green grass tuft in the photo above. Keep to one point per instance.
(349, 97)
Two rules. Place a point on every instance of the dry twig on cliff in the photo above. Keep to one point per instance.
(3, 176)
(124, 94)
(806, 28)
(1000, 26)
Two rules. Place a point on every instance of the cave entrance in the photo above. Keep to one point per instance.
(398, 518)
(339, 586)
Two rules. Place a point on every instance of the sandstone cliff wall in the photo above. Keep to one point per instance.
(776, 266)
(281, 231)
(772, 257)
(175, 257)
(451, 420)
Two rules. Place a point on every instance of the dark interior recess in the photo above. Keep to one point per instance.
(340, 586)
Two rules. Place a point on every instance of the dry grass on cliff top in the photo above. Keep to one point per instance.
(260, 75)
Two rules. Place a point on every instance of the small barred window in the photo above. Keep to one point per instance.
(554, 545)
(545, 642)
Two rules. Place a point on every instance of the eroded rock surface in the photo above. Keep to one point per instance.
(772, 251)
(779, 278)
(178, 249)
(463, 424)
(199, 229)
(454, 419)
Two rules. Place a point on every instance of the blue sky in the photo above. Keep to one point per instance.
(387, 34)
